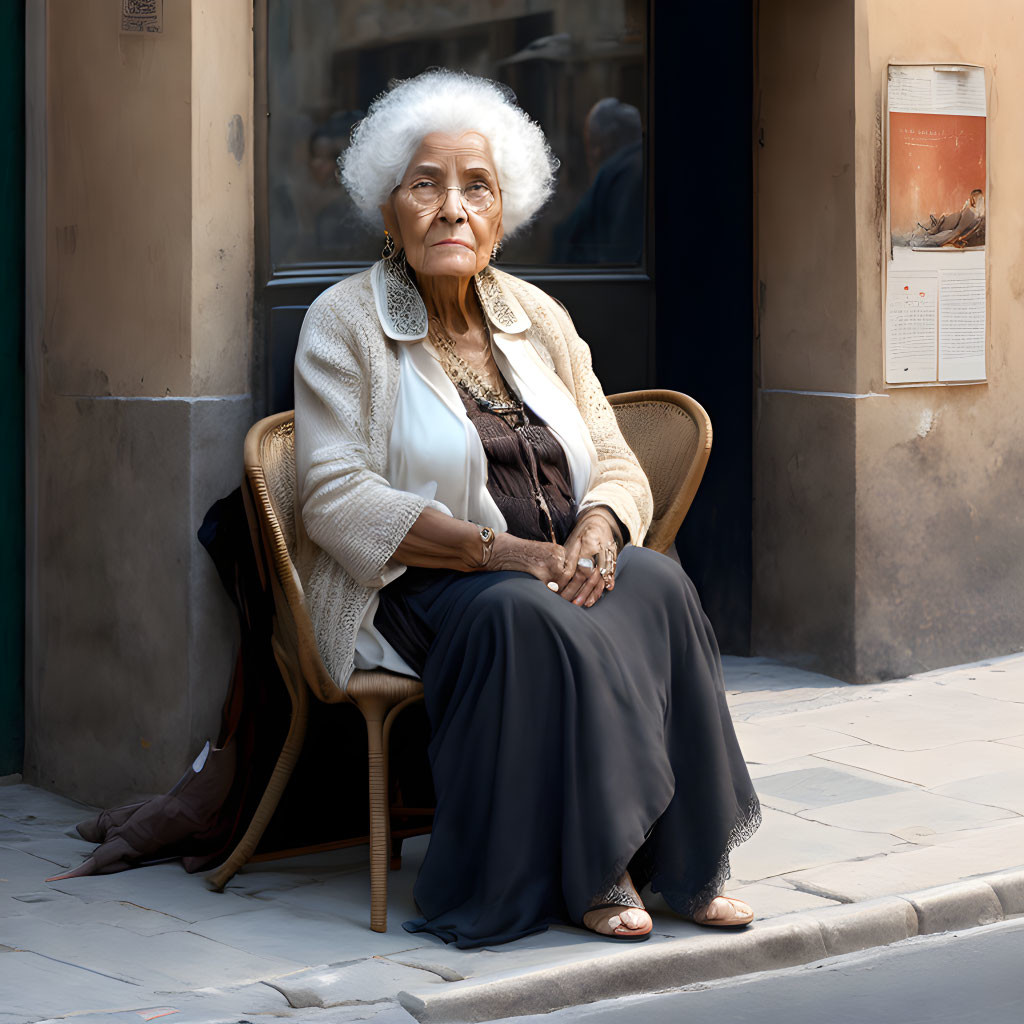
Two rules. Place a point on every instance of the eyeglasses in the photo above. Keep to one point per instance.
(431, 196)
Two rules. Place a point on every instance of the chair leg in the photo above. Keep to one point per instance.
(379, 713)
(374, 710)
(396, 854)
(278, 780)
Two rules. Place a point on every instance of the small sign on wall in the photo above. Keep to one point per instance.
(937, 218)
(142, 15)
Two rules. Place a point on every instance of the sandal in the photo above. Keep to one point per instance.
(621, 897)
(738, 915)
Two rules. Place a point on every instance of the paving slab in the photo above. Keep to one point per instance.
(766, 742)
(803, 788)
(300, 934)
(935, 767)
(1005, 834)
(785, 843)
(22, 872)
(274, 876)
(60, 851)
(69, 911)
(758, 770)
(163, 887)
(938, 717)
(900, 872)
(28, 805)
(757, 707)
(210, 1006)
(775, 898)
(163, 961)
(996, 789)
(34, 986)
(996, 686)
(906, 808)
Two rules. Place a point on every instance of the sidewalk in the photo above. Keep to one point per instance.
(871, 795)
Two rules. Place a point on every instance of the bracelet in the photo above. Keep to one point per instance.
(487, 537)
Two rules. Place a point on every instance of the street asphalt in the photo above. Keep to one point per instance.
(892, 811)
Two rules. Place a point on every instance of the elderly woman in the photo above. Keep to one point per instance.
(471, 515)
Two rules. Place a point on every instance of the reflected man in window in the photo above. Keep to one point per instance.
(608, 224)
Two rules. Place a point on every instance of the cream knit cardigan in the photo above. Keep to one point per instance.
(349, 520)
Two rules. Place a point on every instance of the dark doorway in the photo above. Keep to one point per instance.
(703, 274)
(12, 387)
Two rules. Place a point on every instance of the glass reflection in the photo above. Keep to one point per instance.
(577, 68)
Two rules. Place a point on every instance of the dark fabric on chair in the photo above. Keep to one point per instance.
(204, 816)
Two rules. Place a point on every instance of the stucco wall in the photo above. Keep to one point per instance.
(139, 356)
(940, 526)
(804, 437)
(904, 546)
(118, 185)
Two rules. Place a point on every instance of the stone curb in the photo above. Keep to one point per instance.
(785, 941)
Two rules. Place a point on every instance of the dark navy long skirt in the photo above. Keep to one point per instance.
(568, 744)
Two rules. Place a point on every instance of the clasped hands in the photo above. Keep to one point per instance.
(594, 539)
(438, 540)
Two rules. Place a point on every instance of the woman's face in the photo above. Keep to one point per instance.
(453, 240)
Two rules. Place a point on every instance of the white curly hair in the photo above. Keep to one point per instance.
(452, 102)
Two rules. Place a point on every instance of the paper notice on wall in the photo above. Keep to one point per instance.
(911, 323)
(962, 324)
(937, 89)
(937, 217)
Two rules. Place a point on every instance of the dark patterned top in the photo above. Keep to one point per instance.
(520, 460)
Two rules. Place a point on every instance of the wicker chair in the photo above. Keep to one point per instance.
(671, 436)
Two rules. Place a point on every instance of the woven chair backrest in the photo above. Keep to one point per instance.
(270, 464)
(670, 434)
(278, 458)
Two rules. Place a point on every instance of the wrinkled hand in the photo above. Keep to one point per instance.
(592, 537)
(547, 561)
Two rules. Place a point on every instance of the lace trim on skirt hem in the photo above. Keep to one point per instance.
(746, 825)
(641, 865)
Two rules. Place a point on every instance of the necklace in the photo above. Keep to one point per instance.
(497, 399)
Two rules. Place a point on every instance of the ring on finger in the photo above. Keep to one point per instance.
(585, 563)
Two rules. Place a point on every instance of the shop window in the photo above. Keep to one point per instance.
(578, 68)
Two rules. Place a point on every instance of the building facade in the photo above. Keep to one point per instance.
(181, 213)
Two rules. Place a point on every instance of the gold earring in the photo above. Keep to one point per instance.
(495, 250)
(389, 246)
